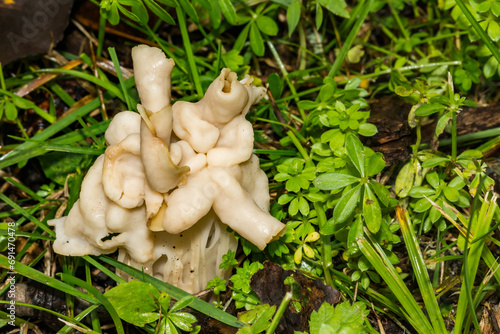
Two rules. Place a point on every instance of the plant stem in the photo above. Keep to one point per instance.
(100, 35)
(279, 313)
(298, 145)
(285, 76)
(116, 63)
(189, 51)
(454, 136)
(350, 39)
(326, 244)
(479, 30)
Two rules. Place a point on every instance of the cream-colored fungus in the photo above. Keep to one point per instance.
(172, 179)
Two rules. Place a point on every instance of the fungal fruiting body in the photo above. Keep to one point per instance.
(171, 181)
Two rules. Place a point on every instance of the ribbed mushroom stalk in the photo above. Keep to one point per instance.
(172, 180)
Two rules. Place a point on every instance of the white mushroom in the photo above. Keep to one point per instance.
(172, 180)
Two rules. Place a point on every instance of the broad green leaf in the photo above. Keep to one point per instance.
(356, 152)
(293, 208)
(442, 122)
(420, 192)
(184, 302)
(303, 206)
(367, 129)
(189, 10)
(433, 179)
(494, 30)
(429, 109)
(58, 165)
(10, 111)
(337, 7)
(375, 164)
(433, 162)
(422, 205)
(242, 38)
(256, 41)
(275, 85)
(490, 67)
(371, 210)
(227, 9)
(332, 181)
(267, 25)
(159, 11)
(113, 15)
(348, 202)
(457, 183)
(451, 194)
(293, 16)
(404, 180)
(134, 302)
(183, 320)
(22, 103)
(381, 191)
(319, 16)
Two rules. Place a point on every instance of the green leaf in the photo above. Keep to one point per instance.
(494, 30)
(490, 67)
(429, 109)
(58, 165)
(275, 85)
(293, 208)
(451, 194)
(422, 205)
(227, 9)
(303, 206)
(356, 152)
(371, 210)
(319, 16)
(381, 191)
(348, 202)
(433, 162)
(442, 122)
(420, 192)
(256, 41)
(405, 179)
(242, 38)
(367, 129)
(183, 320)
(22, 103)
(332, 181)
(10, 111)
(189, 10)
(267, 25)
(344, 318)
(159, 11)
(184, 302)
(375, 164)
(337, 7)
(134, 302)
(293, 16)
(113, 15)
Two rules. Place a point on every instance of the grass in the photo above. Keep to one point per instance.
(374, 241)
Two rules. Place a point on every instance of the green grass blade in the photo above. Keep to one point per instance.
(482, 34)
(479, 223)
(27, 215)
(386, 270)
(420, 270)
(35, 275)
(99, 296)
(350, 38)
(35, 141)
(176, 293)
